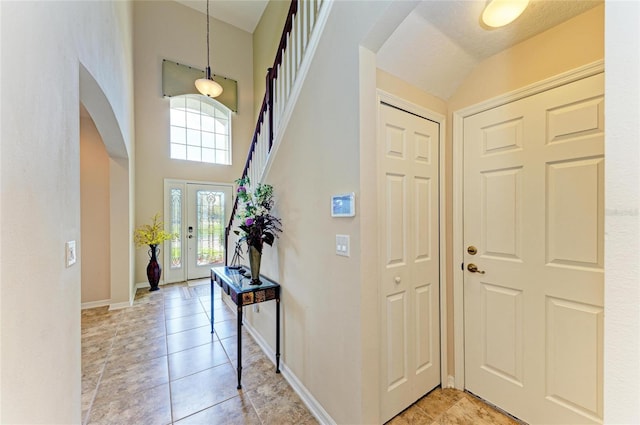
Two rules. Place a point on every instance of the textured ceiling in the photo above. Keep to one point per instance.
(441, 41)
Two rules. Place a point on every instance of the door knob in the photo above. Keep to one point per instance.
(474, 269)
(190, 236)
(397, 279)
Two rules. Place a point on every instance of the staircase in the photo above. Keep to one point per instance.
(304, 24)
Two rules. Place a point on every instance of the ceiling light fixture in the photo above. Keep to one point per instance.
(206, 85)
(499, 13)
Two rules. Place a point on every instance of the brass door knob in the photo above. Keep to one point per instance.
(474, 269)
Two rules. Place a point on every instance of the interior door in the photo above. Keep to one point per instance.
(533, 231)
(208, 209)
(408, 185)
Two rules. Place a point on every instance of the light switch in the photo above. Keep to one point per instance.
(70, 253)
(342, 245)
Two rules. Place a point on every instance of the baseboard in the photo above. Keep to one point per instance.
(142, 285)
(118, 306)
(451, 382)
(94, 304)
(307, 398)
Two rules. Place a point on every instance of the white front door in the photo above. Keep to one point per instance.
(410, 276)
(533, 210)
(198, 214)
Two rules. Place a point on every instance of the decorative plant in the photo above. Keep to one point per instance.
(151, 234)
(258, 225)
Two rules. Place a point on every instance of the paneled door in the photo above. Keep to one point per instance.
(409, 249)
(534, 260)
(198, 214)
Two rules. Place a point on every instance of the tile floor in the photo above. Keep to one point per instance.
(157, 363)
(449, 406)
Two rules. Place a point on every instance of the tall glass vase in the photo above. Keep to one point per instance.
(153, 269)
(255, 257)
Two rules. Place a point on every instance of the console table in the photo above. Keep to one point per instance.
(242, 293)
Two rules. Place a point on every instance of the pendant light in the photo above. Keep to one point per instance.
(499, 13)
(206, 85)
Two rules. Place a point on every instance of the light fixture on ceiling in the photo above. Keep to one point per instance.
(498, 13)
(206, 85)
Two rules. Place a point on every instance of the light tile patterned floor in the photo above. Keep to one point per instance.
(449, 406)
(157, 363)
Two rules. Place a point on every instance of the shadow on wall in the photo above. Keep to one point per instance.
(116, 248)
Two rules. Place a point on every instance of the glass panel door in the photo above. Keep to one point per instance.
(197, 213)
(208, 209)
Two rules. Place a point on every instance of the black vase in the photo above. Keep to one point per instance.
(153, 269)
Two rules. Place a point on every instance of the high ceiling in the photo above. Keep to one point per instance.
(438, 43)
(244, 14)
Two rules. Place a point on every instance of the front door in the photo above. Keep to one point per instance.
(534, 260)
(408, 184)
(198, 214)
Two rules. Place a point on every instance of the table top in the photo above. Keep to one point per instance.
(240, 283)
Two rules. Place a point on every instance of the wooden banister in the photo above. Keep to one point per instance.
(276, 92)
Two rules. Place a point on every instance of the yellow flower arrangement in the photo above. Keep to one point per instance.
(151, 234)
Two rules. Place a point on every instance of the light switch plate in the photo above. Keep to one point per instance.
(342, 245)
(70, 253)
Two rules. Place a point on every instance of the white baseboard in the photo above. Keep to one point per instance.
(118, 306)
(142, 285)
(94, 304)
(451, 382)
(307, 398)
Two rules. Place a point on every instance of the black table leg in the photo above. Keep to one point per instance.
(212, 281)
(278, 331)
(239, 346)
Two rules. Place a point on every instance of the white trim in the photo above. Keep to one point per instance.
(94, 304)
(458, 189)
(305, 395)
(118, 306)
(180, 275)
(390, 99)
(321, 20)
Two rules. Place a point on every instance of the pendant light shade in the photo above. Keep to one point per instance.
(206, 85)
(499, 13)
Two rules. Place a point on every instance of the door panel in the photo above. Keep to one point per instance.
(197, 213)
(208, 209)
(534, 205)
(410, 350)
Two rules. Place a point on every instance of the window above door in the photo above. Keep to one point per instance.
(200, 130)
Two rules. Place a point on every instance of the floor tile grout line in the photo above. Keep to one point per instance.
(104, 367)
(166, 342)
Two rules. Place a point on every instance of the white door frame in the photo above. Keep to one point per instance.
(167, 210)
(458, 180)
(413, 108)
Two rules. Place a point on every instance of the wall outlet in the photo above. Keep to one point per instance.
(342, 245)
(70, 253)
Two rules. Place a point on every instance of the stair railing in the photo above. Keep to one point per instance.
(300, 26)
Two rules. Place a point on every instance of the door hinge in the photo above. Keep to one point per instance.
(462, 266)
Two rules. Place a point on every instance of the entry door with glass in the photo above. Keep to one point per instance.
(197, 213)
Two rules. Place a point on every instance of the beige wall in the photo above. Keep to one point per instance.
(169, 30)
(266, 38)
(95, 210)
(44, 46)
(320, 156)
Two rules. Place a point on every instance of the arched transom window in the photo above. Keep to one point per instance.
(200, 129)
